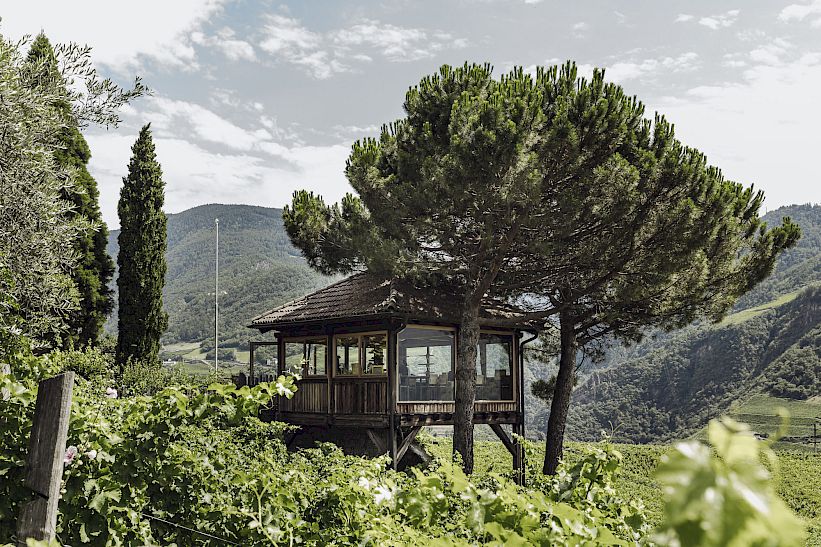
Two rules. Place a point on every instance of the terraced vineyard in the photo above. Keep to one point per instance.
(760, 412)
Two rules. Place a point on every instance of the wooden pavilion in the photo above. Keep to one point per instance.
(376, 357)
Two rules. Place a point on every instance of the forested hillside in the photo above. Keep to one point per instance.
(259, 269)
(671, 384)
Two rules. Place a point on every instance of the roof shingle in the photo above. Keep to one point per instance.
(366, 294)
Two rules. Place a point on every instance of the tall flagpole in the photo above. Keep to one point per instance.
(217, 300)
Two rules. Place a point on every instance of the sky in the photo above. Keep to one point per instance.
(253, 100)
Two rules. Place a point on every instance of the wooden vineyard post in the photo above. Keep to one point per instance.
(47, 449)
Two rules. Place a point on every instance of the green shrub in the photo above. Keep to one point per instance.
(90, 363)
(140, 378)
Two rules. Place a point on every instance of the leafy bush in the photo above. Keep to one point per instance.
(725, 498)
(90, 363)
(140, 378)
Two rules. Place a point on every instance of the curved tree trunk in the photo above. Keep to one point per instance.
(466, 385)
(561, 394)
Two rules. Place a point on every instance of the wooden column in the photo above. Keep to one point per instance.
(519, 427)
(330, 366)
(251, 347)
(47, 449)
(280, 365)
(393, 370)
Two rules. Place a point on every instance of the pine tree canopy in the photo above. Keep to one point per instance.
(141, 259)
(94, 269)
(553, 191)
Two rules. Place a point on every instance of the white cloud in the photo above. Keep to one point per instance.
(683, 18)
(770, 53)
(194, 175)
(395, 43)
(761, 130)
(723, 20)
(800, 12)
(288, 40)
(225, 40)
(207, 158)
(174, 118)
(287, 35)
(122, 35)
(623, 71)
(579, 29)
(323, 55)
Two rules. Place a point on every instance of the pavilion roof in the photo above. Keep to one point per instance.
(366, 295)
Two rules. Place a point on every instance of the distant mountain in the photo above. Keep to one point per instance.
(259, 269)
(669, 385)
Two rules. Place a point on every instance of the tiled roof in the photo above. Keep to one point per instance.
(366, 294)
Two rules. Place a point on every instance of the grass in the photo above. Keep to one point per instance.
(749, 313)
(798, 476)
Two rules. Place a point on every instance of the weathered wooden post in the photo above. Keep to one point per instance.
(47, 448)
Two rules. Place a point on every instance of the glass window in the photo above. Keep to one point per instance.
(347, 355)
(362, 354)
(315, 352)
(375, 347)
(426, 364)
(494, 367)
(305, 357)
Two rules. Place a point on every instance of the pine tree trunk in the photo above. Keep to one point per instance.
(466, 385)
(561, 394)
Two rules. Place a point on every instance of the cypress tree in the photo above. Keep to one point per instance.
(94, 268)
(141, 259)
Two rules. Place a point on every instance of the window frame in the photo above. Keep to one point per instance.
(453, 355)
(361, 353)
(514, 374)
(302, 339)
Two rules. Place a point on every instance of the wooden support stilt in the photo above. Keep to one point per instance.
(290, 436)
(502, 434)
(406, 442)
(392, 446)
(519, 454)
(377, 441)
(514, 447)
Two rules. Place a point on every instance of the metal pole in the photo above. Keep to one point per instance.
(217, 300)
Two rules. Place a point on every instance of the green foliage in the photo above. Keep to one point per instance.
(726, 498)
(137, 455)
(93, 268)
(37, 225)
(796, 373)
(141, 260)
(225, 354)
(91, 363)
(141, 378)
